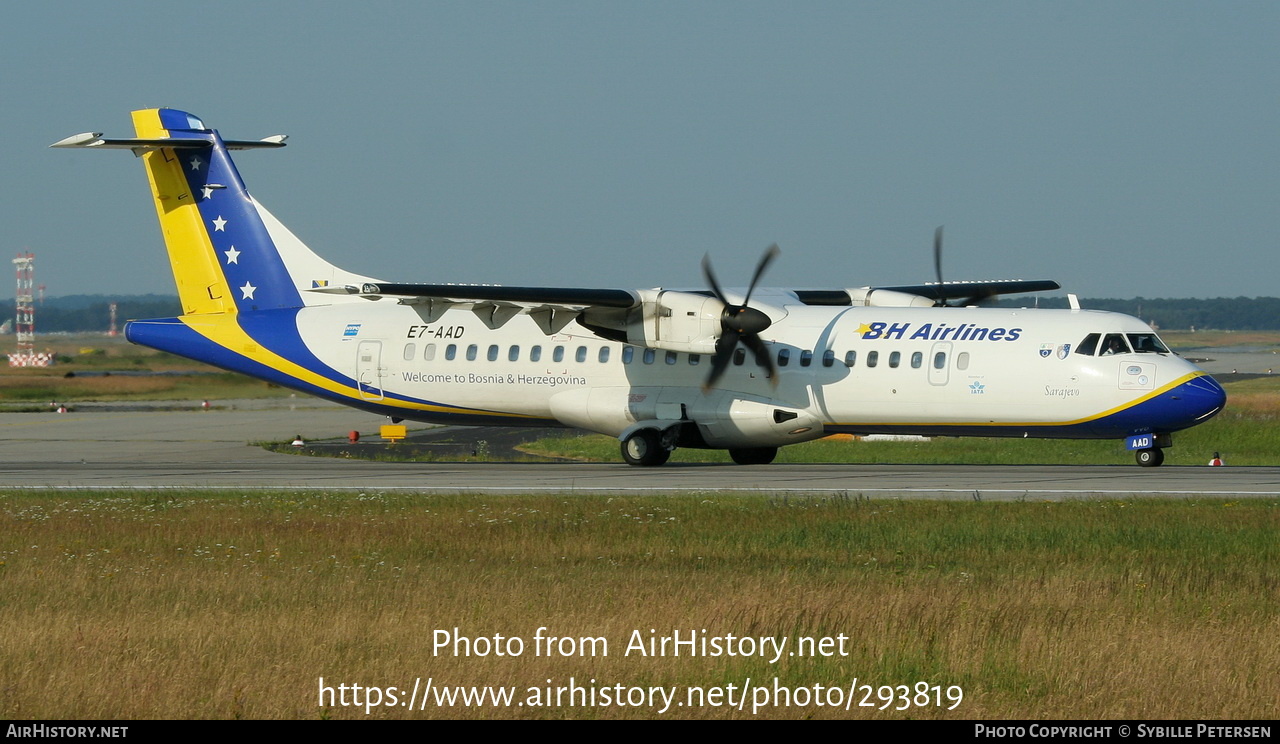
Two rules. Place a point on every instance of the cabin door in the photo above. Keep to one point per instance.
(369, 369)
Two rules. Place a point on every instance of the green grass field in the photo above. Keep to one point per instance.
(200, 605)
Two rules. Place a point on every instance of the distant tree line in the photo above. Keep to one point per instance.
(89, 313)
(1219, 313)
(92, 313)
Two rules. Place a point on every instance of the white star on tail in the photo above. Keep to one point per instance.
(219, 225)
(232, 255)
(196, 163)
(247, 291)
(208, 192)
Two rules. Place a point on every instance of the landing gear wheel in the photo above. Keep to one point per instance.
(754, 455)
(1150, 458)
(644, 449)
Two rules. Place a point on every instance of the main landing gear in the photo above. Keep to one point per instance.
(1151, 457)
(647, 448)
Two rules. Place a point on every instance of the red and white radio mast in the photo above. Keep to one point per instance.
(25, 320)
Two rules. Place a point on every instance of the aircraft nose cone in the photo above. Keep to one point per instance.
(1203, 398)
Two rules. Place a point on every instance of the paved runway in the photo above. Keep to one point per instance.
(195, 449)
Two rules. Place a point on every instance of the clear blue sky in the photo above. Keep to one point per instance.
(1122, 148)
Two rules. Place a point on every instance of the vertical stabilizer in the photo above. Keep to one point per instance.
(202, 287)
(228, 254)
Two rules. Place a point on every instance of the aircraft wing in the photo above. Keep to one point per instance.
(459, 293)
(604, 311)
(971, 292)
(979, 289)
(509, 301)
(580, 297)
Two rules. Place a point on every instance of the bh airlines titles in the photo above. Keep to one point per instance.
(937, 332)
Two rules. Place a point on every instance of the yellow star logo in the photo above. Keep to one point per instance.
(863, 330)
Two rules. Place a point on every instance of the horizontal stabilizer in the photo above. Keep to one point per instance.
(95, 139)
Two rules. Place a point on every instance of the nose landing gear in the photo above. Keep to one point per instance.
(1149, 458)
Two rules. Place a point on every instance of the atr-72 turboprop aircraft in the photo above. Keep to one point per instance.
(658, 369)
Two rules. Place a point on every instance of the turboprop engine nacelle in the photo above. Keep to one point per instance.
(733, 420)
(676, 321)
(869, 297)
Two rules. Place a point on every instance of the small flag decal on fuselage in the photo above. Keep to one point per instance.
(353, 329)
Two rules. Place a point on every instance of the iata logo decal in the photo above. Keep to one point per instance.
(936, 332)
(977, 388)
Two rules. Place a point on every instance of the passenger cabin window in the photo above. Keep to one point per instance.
(940, 360)
(472, 352)
(628, 354)
(603, 356)
(493, 353)
(535, 354)
(451, 352)
(410, 351)
(513, 354)
(894, 358)
(962, 360)
(1114, 343)
(671, 357)
(649, 356)
(917, 359)
(784, 357)
(557, 354)
(873, 358)
(694, 359)
(828, 358)
(739, 356)
(581, 354)
(1089, 346)
(806, 358)
(429, 352)
(850, 358)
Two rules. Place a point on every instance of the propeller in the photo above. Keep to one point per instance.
(941, 300)
(740, 323)
(937, 264)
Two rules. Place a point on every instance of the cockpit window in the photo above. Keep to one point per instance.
(1089, 345)
(1145, 343)
(1114, 343)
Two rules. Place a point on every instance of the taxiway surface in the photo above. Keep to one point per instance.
(163, 449)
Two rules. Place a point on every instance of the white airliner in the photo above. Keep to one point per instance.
(658, 369)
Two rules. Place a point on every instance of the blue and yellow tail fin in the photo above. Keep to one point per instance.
(228, 254)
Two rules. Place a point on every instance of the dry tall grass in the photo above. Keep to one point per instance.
(199, 606)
